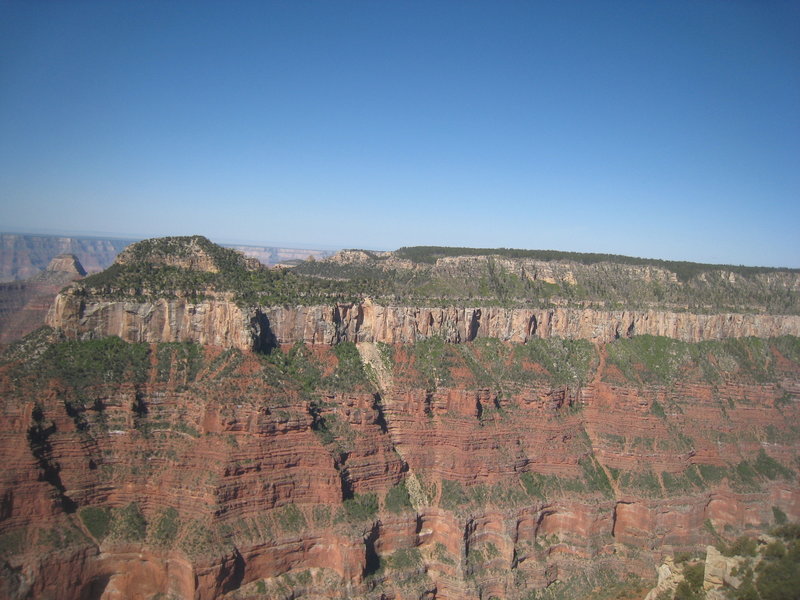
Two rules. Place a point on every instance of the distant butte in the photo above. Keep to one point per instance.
(24, 304)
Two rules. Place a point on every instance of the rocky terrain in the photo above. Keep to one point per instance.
(24, 304)
(177, 433)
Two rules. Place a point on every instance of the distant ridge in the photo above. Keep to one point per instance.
(683, 269)
(23, 255)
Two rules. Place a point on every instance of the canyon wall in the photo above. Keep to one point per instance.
(368, 322)
(22, 256)
(221, 474)
(214, 322)
(221, 322)
(398, 453)
(24, 305)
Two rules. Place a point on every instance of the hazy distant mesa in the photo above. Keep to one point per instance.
(24, 255)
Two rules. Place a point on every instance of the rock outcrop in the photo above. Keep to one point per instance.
(214, 322)
(368, 322)
(227, 324)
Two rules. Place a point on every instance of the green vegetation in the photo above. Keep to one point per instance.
(741, 546)
(771, 468)
(684, 270)
(691, 588)
(361, 507)
(403, 559)
(535, 484)
(198, 539)
(505, 366)
(165, 527)
(62, 536)
(97, 520)
(661, 360)
(712, 473)
(648, 358)
(299, 364)
(179, 361)
(676, 483)
(442, 554)
(657, 409)
(593, 583)
(332, 430)
(397, 498)
(777, 575)
(780, 516)
(349, 373)
(531, 485)
(452, 496)
(157, 268)
(290, 518)
(433, 358)
(322, 515)
(645, 482)
(566, 361)
(502, 495)
(303, 366)
(788, 346)
(12, 542)
(128, 523)
(194, 268)
(82, 364)
(594, 476)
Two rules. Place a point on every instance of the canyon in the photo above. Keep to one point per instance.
(23, 256)
(181, 440)
(24, 304)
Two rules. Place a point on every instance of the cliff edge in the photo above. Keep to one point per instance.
(188, 289)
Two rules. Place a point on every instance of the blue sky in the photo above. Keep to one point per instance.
(657, 129)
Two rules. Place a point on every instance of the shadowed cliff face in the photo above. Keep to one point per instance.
(410, 470)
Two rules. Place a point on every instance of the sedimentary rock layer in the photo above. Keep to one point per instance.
(221, 322)
(214, 322)
(263, 475)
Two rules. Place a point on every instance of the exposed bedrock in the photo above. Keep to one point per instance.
(221, 322)
(212, 322)
(505, 505)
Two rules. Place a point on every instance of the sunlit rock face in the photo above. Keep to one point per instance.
(201, 447)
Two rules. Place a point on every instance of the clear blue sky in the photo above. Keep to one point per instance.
(656, 129)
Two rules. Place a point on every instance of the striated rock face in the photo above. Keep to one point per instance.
(132, 470)
(215, 322)
(368, 322)
(187, 445)
(223, 323)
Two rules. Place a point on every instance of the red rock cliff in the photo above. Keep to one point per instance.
(221, 474)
